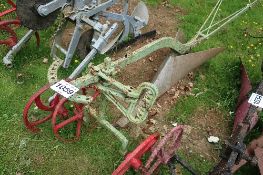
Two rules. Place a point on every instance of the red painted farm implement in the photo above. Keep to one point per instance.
(9, 22)
(5, 25)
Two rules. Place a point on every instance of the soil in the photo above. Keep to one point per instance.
(205, 123)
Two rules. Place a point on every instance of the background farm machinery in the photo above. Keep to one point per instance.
(8, 23)
(96, 28)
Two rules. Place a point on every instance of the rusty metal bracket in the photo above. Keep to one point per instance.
(161, 153)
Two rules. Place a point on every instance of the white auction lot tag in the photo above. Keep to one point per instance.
(256, 100)
(64, 88)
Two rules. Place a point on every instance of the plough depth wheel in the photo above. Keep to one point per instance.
(77, 113)
(62, 112)
(74, 109)
(28, 114)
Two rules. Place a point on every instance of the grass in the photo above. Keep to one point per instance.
(217, 82)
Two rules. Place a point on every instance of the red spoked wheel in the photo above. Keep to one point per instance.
(75, 114)
(33, 115)
(165, 150)
(39, 110)
(133, 159)
(8, 35)
(73, 117)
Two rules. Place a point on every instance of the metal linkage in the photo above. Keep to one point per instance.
(161, 153)
(134, 103)
(12, 41)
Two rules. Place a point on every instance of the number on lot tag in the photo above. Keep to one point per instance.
(64, 88)
(256, 100)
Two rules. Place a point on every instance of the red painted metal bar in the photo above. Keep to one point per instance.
(133, 159)
(57, 110)
(8, 10)
(11, 3)
(243, 105)
(12, 39)
(78, 116)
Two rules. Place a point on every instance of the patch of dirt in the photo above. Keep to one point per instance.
(39, 159)
(205, 123)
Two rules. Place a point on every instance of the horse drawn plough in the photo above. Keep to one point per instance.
(95, 31)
